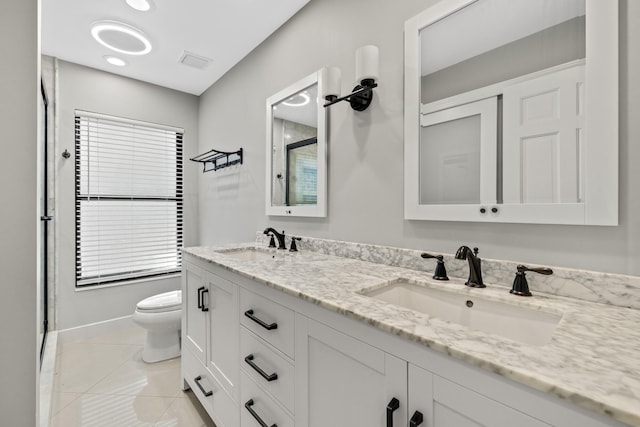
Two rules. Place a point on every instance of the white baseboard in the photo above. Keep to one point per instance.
(93, 329)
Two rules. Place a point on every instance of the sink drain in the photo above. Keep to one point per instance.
(469, 303)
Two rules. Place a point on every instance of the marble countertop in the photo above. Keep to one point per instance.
(593, 359)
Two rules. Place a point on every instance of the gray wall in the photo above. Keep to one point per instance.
(553, 46)
(366, 148)
(88, 89)
(19, 217)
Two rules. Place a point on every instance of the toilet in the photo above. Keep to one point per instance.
(161, 316)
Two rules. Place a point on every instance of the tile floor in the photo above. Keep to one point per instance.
(103, 381)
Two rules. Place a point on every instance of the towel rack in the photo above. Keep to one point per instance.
(213, 160)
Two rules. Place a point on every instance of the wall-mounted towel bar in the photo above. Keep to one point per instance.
(213, 160)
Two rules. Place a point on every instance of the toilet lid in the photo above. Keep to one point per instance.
(167, 301)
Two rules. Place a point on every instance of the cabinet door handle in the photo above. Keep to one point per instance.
(203, 308)
(206, 393)
(200, 289)
(253, 413)
(391, 407)
(416, 419)
(267, 326)
(249, 360)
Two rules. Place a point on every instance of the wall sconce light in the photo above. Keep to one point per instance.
(366, 73)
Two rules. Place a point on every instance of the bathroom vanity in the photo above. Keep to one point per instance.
(303, 339)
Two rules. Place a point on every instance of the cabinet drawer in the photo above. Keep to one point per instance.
(258, 356)
(269, 320)
(457, 405)
(256, 404)
(220, 407)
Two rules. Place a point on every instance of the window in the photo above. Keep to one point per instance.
(128, 199)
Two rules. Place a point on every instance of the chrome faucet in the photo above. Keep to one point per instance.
(279, 236)
(475, 269)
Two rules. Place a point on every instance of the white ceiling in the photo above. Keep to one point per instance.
(306, 114)
(224, 31)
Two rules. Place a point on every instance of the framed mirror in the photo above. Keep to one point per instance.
(511, 112)
(297, 151)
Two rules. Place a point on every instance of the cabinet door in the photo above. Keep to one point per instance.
(193, 317)
(224, 330)
(421, 395)
(341, 381)
(444, 404)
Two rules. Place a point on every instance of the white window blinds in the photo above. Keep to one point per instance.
(128, 199)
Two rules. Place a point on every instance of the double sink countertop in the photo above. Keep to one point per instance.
(592, 360)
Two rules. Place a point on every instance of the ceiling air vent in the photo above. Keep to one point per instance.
(193, 60)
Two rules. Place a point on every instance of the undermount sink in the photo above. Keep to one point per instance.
(248, 254)
(525, 325)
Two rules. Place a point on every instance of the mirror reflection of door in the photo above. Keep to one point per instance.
(302, 173)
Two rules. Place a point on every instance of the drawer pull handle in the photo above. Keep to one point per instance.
(203, 308)
(206, 393)
(200, 289)
(249, 360)
(253, 413)
(416, 419)
(267, 326)
(391, 407)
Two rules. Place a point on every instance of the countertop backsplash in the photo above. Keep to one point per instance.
(606, 288)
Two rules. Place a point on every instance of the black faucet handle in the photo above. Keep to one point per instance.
(272, 242)
(293, 247)
(441, 272)
(520, 286)
(540, 270)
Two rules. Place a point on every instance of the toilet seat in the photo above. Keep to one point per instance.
(161, 303)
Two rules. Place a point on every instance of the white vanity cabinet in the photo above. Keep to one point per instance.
(210, 340)
(256, 356)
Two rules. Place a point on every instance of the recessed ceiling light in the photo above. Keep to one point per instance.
(141, 5)
(114, 60)
(121, 38)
